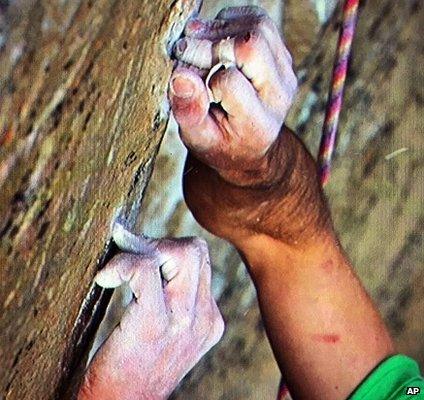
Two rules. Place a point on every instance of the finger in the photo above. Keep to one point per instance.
(241, 11)
(227, 86)
(202, 73)
(190, 106)
(204, 293)
(142, 274)
(271, 33)
(255, 59)
(214, 30)
(234, 21)
(116, 272)
(203, 53)
(245, 112)
(253, 56)
(196, 52)
(181, 291)
(230, 21)
(130, 242)
(255, 18)
(209, 318)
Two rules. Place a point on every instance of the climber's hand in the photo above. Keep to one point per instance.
(252, 96)
(246, 174)
(171, 323)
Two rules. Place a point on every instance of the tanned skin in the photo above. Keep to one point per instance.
(264, 197)
(324, 330)
(251, 181)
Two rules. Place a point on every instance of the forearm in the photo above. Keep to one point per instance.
(324, 330)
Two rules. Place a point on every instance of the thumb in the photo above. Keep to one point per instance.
(189, 97)
(190, 106)
(142, 275)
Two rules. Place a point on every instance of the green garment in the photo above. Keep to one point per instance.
(392, 380)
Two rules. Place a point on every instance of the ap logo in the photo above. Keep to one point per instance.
(412, 391)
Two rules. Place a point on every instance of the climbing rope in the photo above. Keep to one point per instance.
(334, 105)
(335, 97)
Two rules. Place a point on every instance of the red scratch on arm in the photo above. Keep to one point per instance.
(328, 265)
(326, 338)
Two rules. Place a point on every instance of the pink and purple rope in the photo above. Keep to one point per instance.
(335, 98)
(334, 105)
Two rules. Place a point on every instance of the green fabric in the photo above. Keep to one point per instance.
(390, 380)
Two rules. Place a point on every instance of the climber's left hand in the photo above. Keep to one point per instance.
(171, 323)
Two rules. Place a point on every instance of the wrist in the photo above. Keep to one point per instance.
(266, 171)
(123, 388)
(288, 204)
(267, 257)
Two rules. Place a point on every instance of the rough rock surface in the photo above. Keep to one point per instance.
(82, 113)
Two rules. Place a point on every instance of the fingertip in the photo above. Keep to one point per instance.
(169, 269)
(182, 87)
(184, 83)
(194, 27)
(250, 47)
(228, 82)
(205, 29)
(188, 97)
(179, 48)
(130, 242)
(194, 51)
(118, 270)
(108, 278)
(122, 237)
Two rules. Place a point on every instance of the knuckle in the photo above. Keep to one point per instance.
(201, 253)
(213, 326)
(121, 258)
(197, 246)
(200, 244)
(209, 326)
(124, 261)
(266, 23)
(241, 12)
(292, 86)
(251, 41)
(227, 81)
(218, 326)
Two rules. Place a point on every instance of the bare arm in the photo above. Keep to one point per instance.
(253, 183)
(324, 330)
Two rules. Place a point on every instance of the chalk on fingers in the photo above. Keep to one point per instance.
(128, 241)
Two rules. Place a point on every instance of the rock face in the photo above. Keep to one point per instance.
(82, 113)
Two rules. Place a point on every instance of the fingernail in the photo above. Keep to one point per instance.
(193, 25)
(169, 270)
(182, 87)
